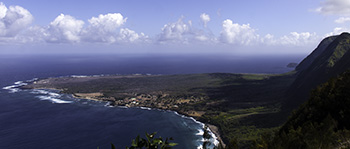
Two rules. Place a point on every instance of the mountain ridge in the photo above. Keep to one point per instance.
(321, 117)
(305, 63)
(312, 71)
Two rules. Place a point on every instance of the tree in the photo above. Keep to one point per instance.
(150, 142)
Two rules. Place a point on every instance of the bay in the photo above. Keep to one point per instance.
(28, 121)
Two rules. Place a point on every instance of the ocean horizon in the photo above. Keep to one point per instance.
(47, 119)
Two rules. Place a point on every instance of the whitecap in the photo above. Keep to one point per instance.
(54, 94)
(200, 132)
(124, 107)
(213, 140)
(14, 88)
(9, 87)
(48, 95)
(32, 80)
(53, 100)
(108, 104)
(146, 108)
(39, 91)
(79, 76)
(18, 82)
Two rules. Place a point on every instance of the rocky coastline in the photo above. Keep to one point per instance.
(156, 100)
(146, 101)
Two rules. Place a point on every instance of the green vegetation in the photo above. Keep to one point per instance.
(243, 131)
(150, 142)
(238, 104)
(332, 61)
(316, 53)
(339, 52)
(248, 109)
(322, 122)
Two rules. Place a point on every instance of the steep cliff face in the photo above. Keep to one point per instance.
(319, 66)
(317, 52)
(320, 96)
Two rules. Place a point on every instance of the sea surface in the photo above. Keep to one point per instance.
(46, 119)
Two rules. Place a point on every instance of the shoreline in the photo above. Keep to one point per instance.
(182, 115)
(97, 96)
(212, 128)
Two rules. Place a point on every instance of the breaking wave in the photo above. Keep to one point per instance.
(49, 95)
(213, 140)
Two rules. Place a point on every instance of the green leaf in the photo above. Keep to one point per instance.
(157, 141)
(137, 141)
(148, 137)
(152, 135)
(173, 144)
(113, 147)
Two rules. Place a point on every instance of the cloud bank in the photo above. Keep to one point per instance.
(111, 28)
(342, 20)
(237, 34)
(340, 8)
(335, 7)
(106, 28)
(13, 20)
(183, 32)
(64, 28)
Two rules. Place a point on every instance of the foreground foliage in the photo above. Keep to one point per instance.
(151, 142)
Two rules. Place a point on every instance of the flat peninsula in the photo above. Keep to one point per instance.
(231, 104)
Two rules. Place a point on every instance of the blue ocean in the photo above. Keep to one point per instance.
(46, 119)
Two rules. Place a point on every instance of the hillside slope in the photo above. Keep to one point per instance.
(314, 54)
(322, 122)
(333, 60)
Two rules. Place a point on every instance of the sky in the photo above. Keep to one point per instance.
(165, 26)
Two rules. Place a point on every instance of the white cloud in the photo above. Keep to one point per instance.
(292, 39)
(64, 28)
(104, 28)
(269, 39)
(183, 32)
(235, 33)
(205, 19)
(13, 20)
(299, 39)
(201, 38)
(335, 7)
(175, 31)
(107, 28)
(342, 20)
(337, 31)
(3, 10)
(107, 23)
(127, 35)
